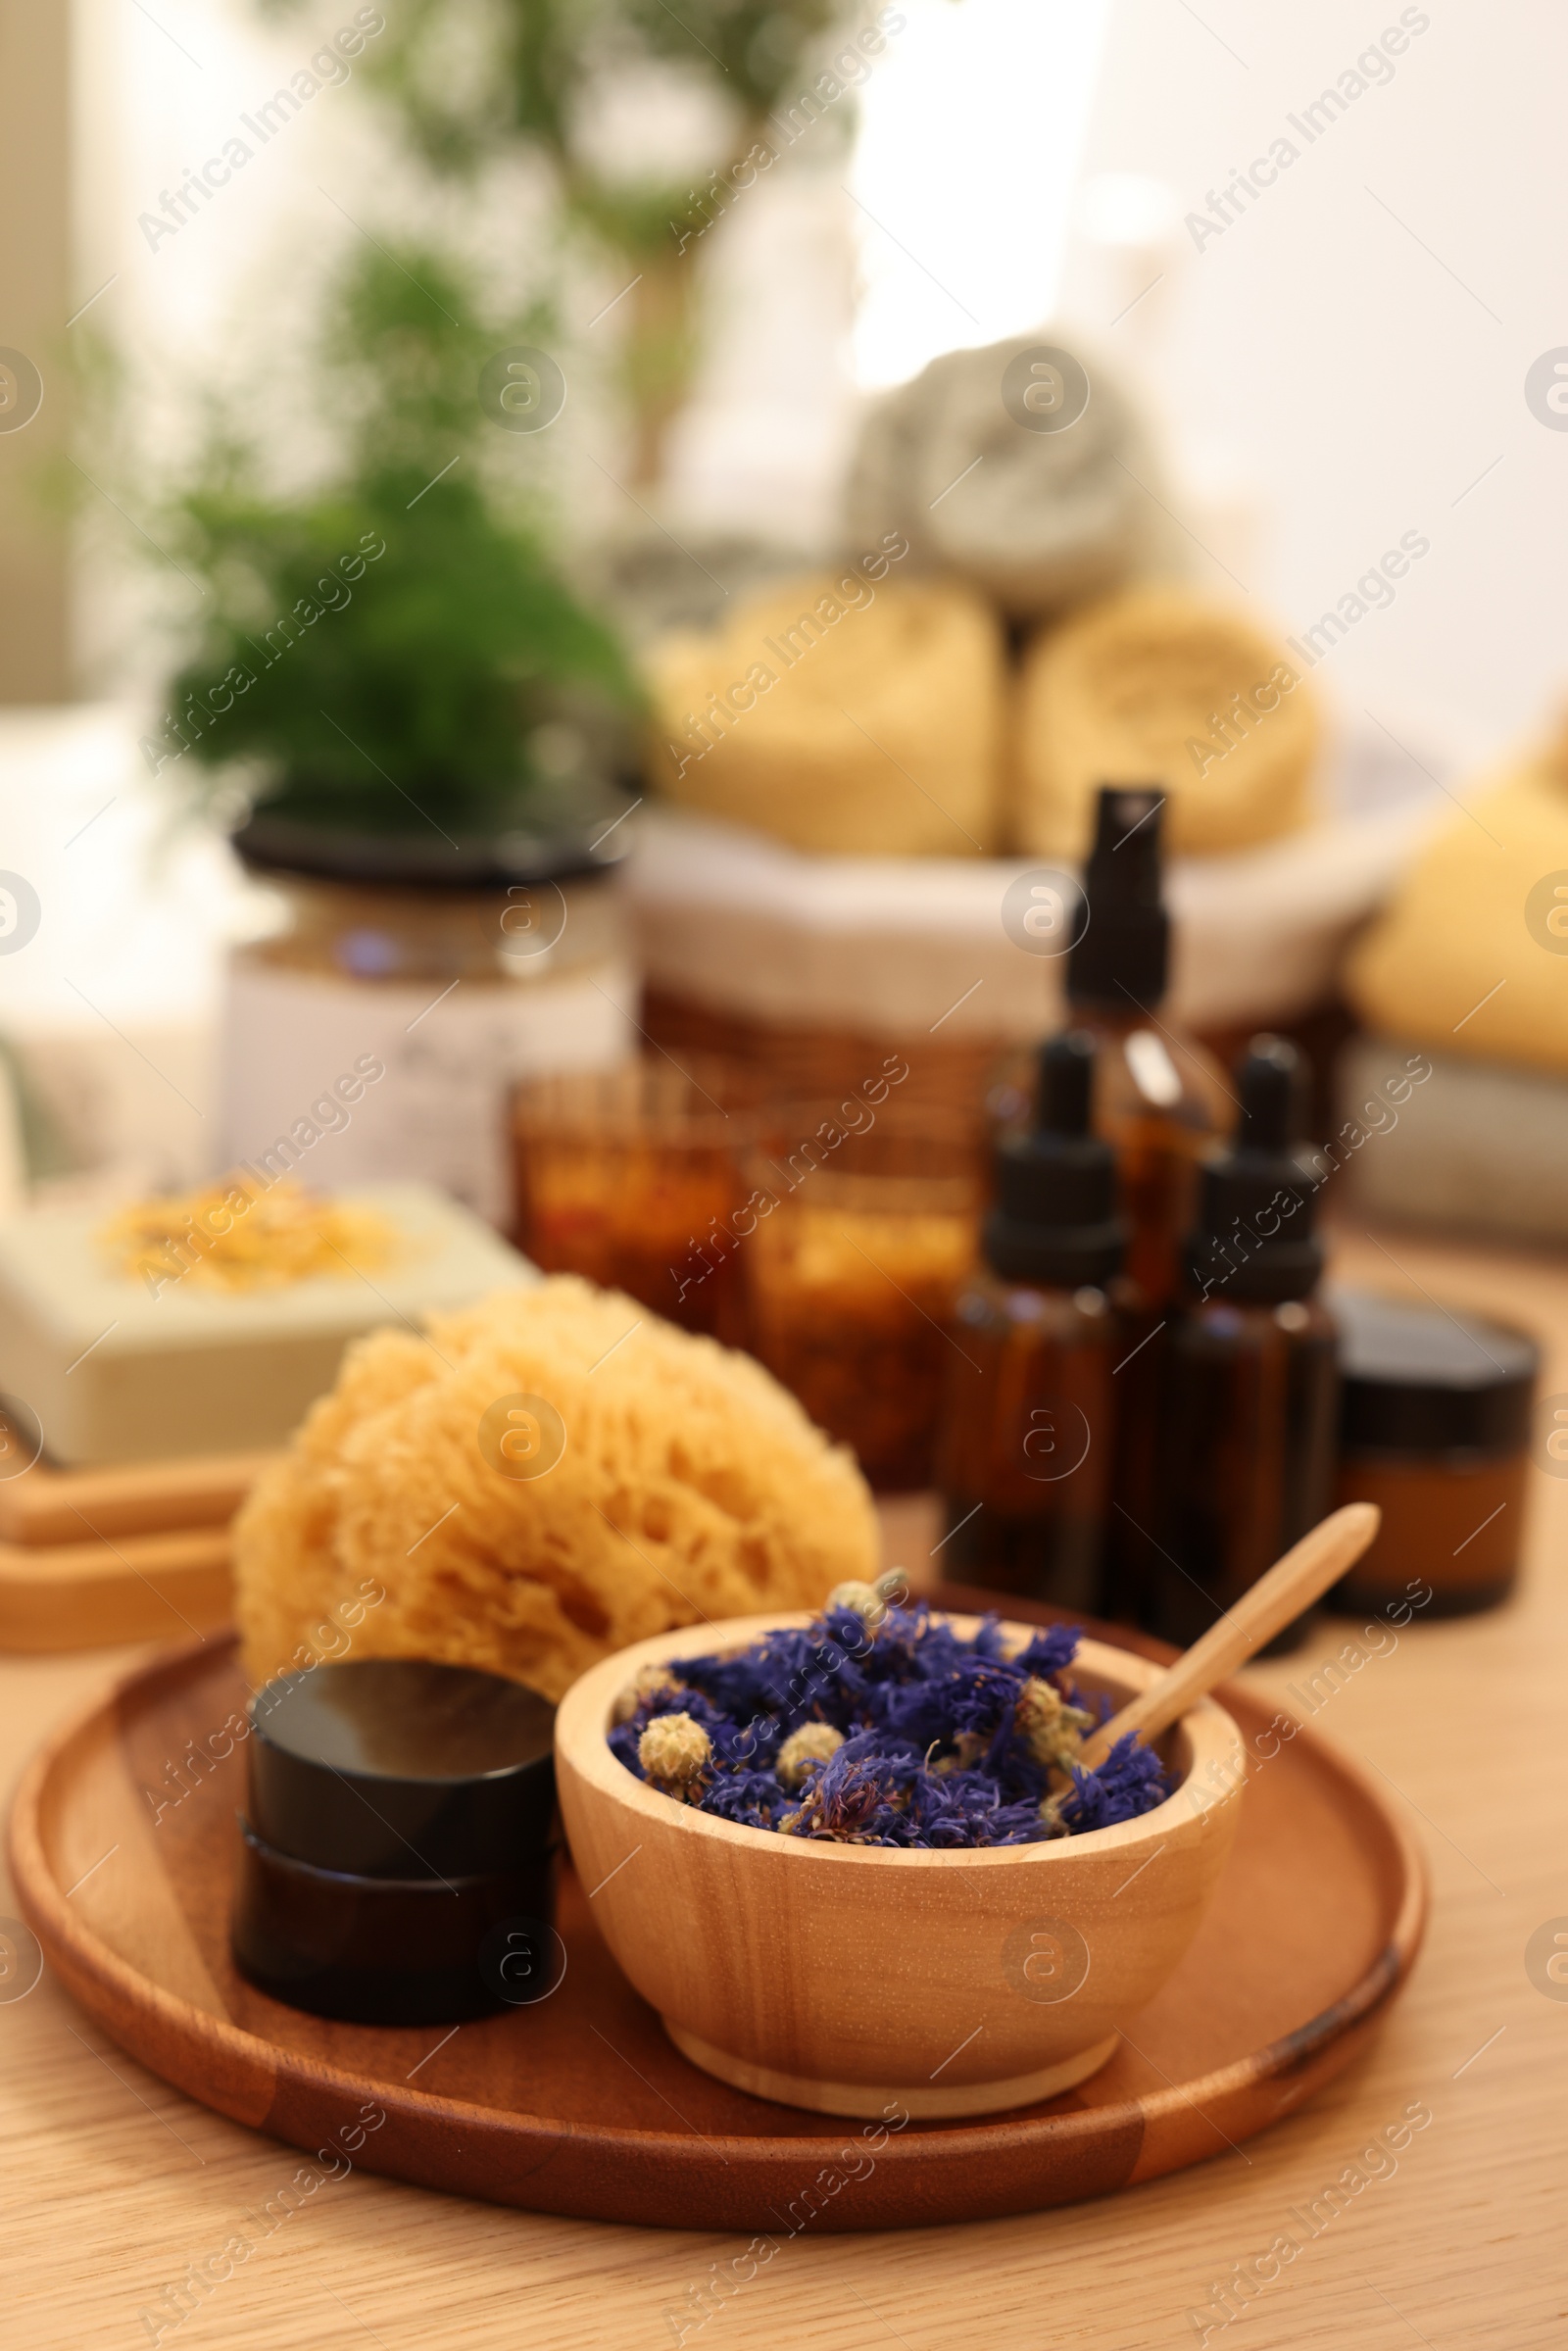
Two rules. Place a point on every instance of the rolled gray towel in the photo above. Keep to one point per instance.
(1044, 518)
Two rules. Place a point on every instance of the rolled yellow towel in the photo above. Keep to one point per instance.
(1159, 686)
(555, 1473)
(844, 714)
(1471, 955)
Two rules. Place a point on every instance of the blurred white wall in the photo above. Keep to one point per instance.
(970, 141)
(1354, 345)
(849, 266)
(109, 983)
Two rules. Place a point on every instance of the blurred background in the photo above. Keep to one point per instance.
(418, 421)
(888, 674)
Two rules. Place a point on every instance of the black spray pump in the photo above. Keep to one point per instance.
(1055, 1222)
(1121, 959)
(1254, 1237)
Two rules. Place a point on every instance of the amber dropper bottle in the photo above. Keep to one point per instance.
(1024, 1449)
(1250, 1377)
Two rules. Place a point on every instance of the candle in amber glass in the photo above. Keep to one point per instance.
(853, 1272)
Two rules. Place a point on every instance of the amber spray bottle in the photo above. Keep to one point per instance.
(1162, 1103)
(1251, 1378)
(1161, 1100)
(1024, 1450)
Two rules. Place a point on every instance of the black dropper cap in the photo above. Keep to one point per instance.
(1254, 1237)
(1124, 952)
(1055, 1221)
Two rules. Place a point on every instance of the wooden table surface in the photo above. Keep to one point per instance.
(111, 2182)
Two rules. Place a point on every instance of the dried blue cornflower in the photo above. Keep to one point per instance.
(880, 1725)
(1128, 1783)
(1050, 1651)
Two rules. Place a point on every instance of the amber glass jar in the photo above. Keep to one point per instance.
(634, 1178)
(854, 1254)
(397, 1849)
(1435, 1428)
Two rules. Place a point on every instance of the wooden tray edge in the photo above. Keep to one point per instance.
(304, 2097)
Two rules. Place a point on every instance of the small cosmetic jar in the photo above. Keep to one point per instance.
(396, 1855)
(1435, 1427)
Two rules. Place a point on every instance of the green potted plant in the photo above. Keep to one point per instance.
(393, 655)
(426, 733)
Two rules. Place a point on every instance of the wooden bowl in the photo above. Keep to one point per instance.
(843, 1978)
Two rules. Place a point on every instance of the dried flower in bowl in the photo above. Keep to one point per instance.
(892, 1878)
(879, 1725)
(674, 1753)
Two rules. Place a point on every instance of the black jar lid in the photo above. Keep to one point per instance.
(1417, 1379)
(397, 1767)
(410, 860)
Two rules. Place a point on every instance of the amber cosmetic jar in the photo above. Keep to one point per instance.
(632, 1177)
(1435, 1428)
(397, 1849)
(860, 1240)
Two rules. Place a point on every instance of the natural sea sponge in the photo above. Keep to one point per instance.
(1472, 954)
(1036, 521)
(840, 718)
(689, 1487)
(1159, 686)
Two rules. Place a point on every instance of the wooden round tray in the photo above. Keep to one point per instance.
(581, 2105)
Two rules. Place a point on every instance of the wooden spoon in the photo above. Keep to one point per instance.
(1291, 1585)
